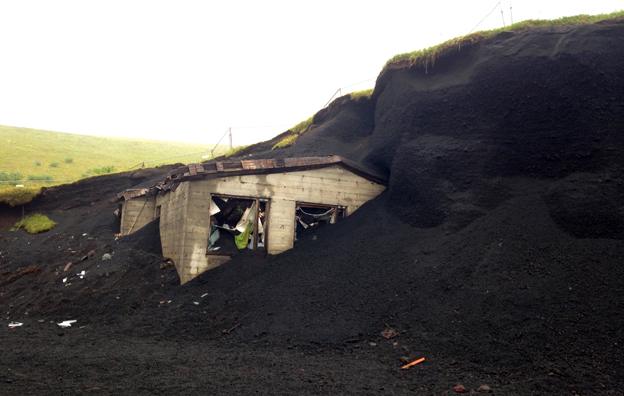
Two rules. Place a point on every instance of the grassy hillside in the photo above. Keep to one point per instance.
(36, 157)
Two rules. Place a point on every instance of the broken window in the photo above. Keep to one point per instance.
(308, 217)
(237, 224)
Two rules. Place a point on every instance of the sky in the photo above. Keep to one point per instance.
(188, 70)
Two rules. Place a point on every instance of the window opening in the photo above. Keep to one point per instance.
(309, 217)
(237, 224)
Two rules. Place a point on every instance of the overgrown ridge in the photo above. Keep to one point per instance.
(495, 253)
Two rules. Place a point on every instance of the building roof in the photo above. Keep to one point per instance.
(249, 167)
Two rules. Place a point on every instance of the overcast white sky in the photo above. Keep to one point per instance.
(187, 70)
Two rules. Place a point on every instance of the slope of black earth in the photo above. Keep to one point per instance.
(495, 253)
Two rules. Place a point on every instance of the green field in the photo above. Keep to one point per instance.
(41, 158)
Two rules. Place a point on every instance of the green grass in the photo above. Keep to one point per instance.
(365, 93)
(10, 176)
(35, 223)
(286, 141)
(48, 158)
(46, 178)
(294, 134)
(427, 57)
(103, 170)
(302, 126)
(15, 196)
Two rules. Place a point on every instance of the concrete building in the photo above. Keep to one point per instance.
(210, 212)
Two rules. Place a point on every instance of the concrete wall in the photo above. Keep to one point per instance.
(281, 222)
(185, 218)
(136, 213)
(184, 229)
(173, 207)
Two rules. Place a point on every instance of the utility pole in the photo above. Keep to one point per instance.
(230, 136)
(502, 15)
(510, 13)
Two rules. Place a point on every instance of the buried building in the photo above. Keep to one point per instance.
(210, 212)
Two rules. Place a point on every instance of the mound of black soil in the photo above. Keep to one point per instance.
(543, 103)
(9, 216)
(146, 239)
(94, 190)
(495, 252)
(342, 128)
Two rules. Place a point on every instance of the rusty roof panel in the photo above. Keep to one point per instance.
(258, 164)
(230, 165)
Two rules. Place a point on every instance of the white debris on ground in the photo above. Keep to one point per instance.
(106, 256)
(15, 324)
(81, 274)
(66, 323)
(203, 295)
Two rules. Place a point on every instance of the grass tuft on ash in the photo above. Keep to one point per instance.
(365, 93)
(286, 142)
(295, 132)
(35, 223)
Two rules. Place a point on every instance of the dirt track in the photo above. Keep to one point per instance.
(495, 253)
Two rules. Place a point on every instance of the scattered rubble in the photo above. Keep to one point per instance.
(66, 323)
(10, 277)
(389, 333)
(167, 263)
(90, 253)
(413, 363)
